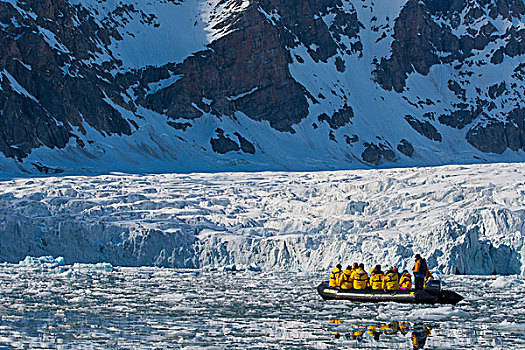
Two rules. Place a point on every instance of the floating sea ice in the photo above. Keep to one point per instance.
(35, 261)
(79, 299)
(65, 273)
(42, 261)
(100, 267)
(436, 314)
(503, 282)
(60, 261)
(511, 326)
(43, 264)
(171, 298)
(391, 311)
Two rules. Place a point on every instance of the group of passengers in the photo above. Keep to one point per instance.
(355, 277)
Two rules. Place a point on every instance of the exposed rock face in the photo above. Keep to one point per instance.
(235, 77)
(46, 90)
(223, 143)
(406, 148)
(246, 146)
(497, 90)
(460, 118)
(418, 38)
(422, 42)
(426, 35)
(375, 154)
(424, 128)
(497, 136)
(339, 118)
(86, 80)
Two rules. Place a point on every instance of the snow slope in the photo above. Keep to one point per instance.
(154, 33)
(464, 219)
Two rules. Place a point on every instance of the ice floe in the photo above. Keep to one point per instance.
(505, 282)
(437, 313)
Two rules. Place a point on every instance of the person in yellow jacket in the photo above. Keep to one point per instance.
(346, 278)
(376, 278)
(335, 276)
(405, 282)
(391, 280)
(360, 277)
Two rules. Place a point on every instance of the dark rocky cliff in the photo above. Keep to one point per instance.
(59, 90)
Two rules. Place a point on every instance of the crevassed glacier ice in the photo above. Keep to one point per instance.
(465, 218)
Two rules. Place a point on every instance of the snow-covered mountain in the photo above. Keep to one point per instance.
(190, 85)
(464, 219)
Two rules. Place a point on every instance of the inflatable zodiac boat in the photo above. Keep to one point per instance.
(431, 295)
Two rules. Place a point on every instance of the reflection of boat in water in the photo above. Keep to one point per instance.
(420, 333)
(426, 296)
(359, 332)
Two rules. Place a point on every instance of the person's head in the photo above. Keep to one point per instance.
(396, 270)
(362, 266)
(355, 265)
(378, 268)
(338, 266)
(418, 256)
(348, 267)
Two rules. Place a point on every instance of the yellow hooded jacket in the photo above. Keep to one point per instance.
(360, 278)
(346, 279)
(335, 277)
(376, 279)
(406, 281)
(391, 281)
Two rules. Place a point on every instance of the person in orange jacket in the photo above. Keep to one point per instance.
(420, 271)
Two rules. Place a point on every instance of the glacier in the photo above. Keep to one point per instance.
(464, 219)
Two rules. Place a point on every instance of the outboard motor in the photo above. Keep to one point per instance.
(433, 285)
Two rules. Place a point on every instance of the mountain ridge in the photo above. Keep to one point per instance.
(208, 85)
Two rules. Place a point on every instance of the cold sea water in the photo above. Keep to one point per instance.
(101, 307)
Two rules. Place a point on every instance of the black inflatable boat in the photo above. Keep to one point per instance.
(427, 296)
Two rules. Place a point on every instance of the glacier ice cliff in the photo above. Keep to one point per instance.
(466, 219)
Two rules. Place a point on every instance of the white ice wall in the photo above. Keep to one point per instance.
(465, 219)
